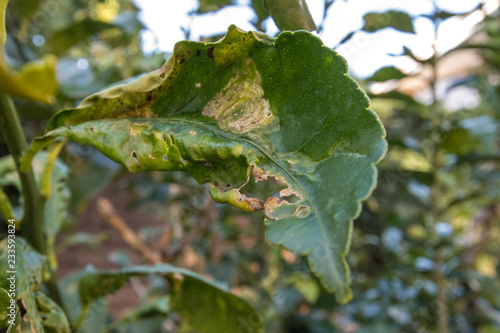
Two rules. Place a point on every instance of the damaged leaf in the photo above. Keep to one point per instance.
(249, 106)
(29, 266)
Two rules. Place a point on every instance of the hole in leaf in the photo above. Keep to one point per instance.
(134, 155)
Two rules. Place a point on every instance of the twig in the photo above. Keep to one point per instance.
(165, 238)
(32, 222)
(107, 212)
(203, 215)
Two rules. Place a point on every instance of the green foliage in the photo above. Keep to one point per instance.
(184, 120)
(289, 14)
(212, 5)
(386, 74)
(29, 265)
(423, 254)
(75, 33)
(188, 291)
(35, 80)
(395, 19)
(54, 318)
(51, 176)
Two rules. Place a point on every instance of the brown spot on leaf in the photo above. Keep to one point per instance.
(254, 203)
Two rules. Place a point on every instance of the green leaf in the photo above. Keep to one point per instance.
(212, 5)
(147, 313)
(51, 175)
(29, 265)
(261, 14)
(75, 33)
(460, 141)
(395, 19)
(53, 318)
(6, 314)
(387, 73)
(35, 81)
(249, 106)
(216, 309)
(398, 96)
(97, 314)
(290, 14)
(26, 8)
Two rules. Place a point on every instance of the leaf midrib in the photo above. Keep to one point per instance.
(227, 135)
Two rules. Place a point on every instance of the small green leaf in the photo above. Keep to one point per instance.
(249, 106)
(460, 141)
(387, 73)
(7, 309)
(54, 175)
(398, 96)
(216, 309)
(75, 33)
(35, 81)
(29, 265)
(53, 318)
(261, 14)
(395, 19)
(290, 14)
(212, 5)
(97, 315)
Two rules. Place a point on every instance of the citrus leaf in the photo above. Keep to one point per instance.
(207, 6)
(53, 318)
(75, 33)
(261, 14)
(35, 81)
(386, 74)
(249, 106)
(51, 174)
(29, 267)
(216, 309)
(393, 18)
(150, 312)
(92, 319)
(8, 309)
(290, 14)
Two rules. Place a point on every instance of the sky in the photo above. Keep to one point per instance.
(365, 52)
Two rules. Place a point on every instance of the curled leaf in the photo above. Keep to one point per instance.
(249, 106)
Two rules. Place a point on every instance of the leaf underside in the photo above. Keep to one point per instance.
(249, 106)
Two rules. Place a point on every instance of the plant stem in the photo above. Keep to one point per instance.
(12, 132)
(32, 222)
